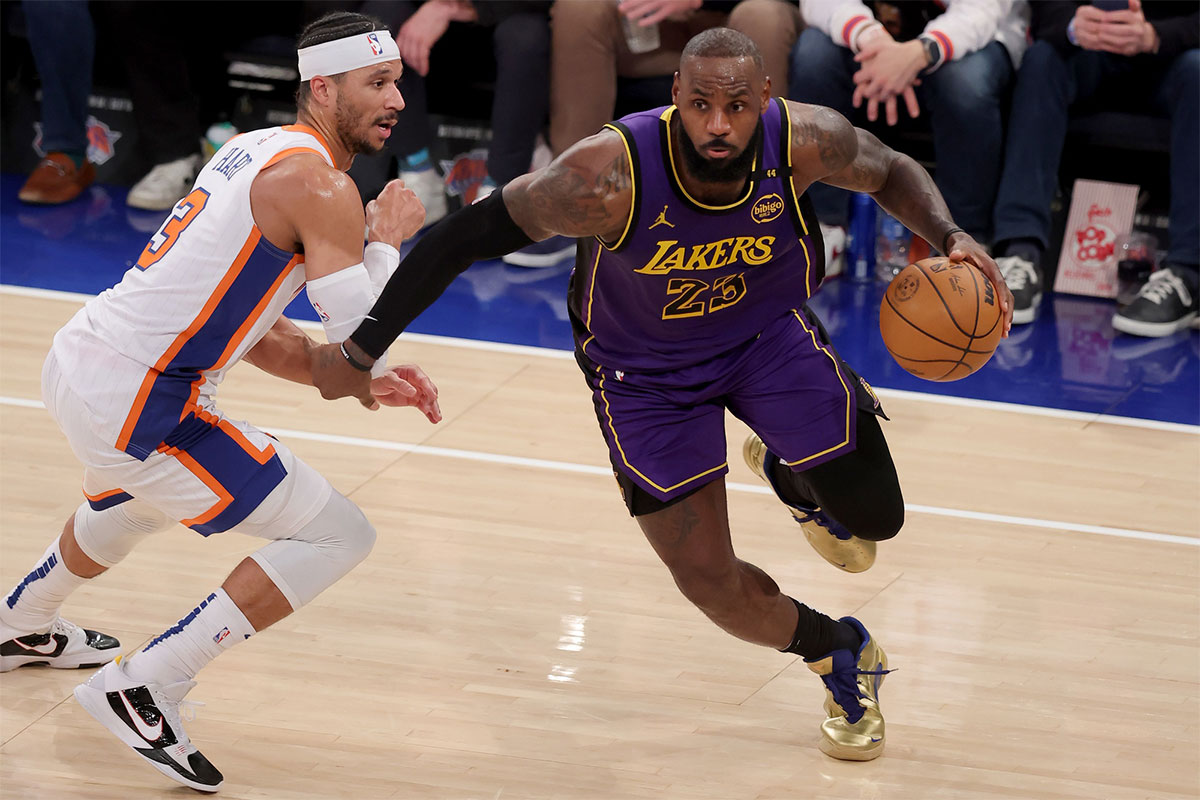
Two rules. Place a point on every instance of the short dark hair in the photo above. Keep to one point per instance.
(722, 43)
(327, 28)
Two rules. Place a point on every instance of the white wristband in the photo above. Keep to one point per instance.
(381, 260)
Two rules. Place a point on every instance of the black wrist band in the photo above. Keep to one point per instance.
(358, 365)
(945, 243)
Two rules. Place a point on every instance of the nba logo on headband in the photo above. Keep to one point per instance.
(347, 53)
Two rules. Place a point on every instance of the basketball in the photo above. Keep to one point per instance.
(940, 319)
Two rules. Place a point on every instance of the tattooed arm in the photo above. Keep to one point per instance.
(587, 191)
(827, 148)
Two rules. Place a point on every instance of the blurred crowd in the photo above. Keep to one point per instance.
(994, 85)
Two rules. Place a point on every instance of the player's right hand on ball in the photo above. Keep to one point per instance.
(395, 215)
(408, 385)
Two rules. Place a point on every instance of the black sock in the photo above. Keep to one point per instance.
(818, 635)
(785, 481)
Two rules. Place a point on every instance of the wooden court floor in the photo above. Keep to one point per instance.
(513, 636)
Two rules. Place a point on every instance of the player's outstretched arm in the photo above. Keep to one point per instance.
(585, 192)
(827, 148)
(285, 351)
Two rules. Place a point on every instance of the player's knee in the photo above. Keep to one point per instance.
(359, 535)
(883, 523)
(108, 535)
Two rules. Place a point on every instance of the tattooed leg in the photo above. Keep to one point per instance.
(692, 539)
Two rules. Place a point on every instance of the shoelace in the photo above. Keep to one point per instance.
(65, 627)
(187, 709)
(1161, 285)
(844, 686)
(1016, 272)
(825, 522)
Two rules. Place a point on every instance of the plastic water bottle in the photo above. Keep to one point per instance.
(217, 135)
(860, 244)
(892, 247)
(638, 38)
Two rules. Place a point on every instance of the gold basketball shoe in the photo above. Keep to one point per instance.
(833, 542)
(854, 730)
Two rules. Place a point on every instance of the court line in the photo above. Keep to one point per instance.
(547, 352)
(588, 469)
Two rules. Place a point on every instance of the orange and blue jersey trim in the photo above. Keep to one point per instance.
(169, 390)
(113, 497)
(239, 474)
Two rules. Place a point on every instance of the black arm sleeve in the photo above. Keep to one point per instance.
(479, 231)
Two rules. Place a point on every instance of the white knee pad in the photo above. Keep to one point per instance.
(316, 556)
(108, 536)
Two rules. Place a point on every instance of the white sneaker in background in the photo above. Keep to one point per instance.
(834, 237)
(429, 188)
(542, 154)
(162, 187)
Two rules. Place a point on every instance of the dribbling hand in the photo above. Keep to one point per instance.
(967, 249)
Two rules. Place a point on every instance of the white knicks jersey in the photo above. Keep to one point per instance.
(150, 351)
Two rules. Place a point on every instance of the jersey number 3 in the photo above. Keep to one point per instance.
(164, 239)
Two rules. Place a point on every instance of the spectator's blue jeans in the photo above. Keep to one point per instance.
(1048, 84)
(963, 99)
(63, 41)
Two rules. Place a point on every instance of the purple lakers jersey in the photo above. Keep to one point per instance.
(687, 281)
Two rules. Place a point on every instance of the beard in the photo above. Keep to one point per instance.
(728, 170)
(354, 134)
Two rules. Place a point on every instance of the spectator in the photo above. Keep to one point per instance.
(1142, 57)
(520, 33)
(955, 64)
(590, 52)
(66, 77)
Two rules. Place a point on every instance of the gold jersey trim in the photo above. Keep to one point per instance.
(633, 179)
(849, 395)
(666, 117)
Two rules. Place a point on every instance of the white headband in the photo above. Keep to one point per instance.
(351, 52)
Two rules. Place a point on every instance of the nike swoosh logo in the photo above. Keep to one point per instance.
(873, 739)
(47, 649)
(151, 733)
(368, 316)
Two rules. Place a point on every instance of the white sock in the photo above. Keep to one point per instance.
(33, 605)
(179, 652)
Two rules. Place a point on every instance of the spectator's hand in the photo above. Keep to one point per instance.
(967, 249)
(1127, 32)
(395, 215)
(649, 12)
(888, 70)
(421, 32)
(1088, 22)
(407, 385)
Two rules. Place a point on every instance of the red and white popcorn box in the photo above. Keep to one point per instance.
(1101, 215)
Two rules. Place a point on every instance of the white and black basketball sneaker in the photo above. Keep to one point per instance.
(145, 716)
(64, 646)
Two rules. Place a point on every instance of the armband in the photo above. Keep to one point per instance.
(381, 260)
(341, 300)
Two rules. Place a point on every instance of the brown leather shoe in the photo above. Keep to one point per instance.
(56, 180)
